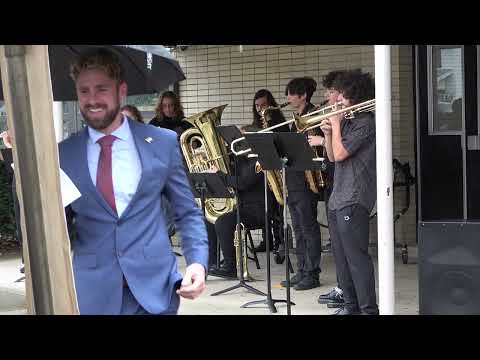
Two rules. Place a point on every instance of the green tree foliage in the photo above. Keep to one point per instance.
(7, 214)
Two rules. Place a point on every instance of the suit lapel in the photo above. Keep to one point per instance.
(144, 148)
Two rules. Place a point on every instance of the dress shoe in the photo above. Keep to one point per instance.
(294, 280)
(335, 296)
(308, 282)
(346, 311)
(262, 247)
(223, 272)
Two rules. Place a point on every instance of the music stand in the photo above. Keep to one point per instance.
(294, 153)
(262, 144)
(230, 133)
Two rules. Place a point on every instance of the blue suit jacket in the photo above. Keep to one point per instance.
(136, 244)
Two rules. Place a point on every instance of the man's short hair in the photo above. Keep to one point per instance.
(301, 86)
(328, 81)
(98, 58)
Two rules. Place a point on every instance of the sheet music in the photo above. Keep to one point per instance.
(69, 191)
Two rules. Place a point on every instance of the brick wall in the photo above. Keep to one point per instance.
(227, 74)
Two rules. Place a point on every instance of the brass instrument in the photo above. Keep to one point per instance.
(202, 148)
(315, 179)
(274, 177)
(313, 119)
(240, 239)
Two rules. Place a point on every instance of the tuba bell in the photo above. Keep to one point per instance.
(202, 148)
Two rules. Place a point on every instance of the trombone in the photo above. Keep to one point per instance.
(311, 120)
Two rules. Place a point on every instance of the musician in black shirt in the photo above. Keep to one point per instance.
(252, 215)
(302, 201)
(169, 115)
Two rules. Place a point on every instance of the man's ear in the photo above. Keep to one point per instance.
(123, 91)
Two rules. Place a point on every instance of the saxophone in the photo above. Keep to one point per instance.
(274, 177)
(315, 179)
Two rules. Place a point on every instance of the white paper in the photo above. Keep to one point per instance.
(70, 192)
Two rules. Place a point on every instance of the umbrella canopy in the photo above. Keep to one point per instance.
(148, 69)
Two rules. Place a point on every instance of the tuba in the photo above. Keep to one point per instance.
(202, 148)
(274, 177)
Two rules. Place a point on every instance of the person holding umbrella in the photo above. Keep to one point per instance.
(122, 260)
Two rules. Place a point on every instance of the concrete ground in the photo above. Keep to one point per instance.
(12, 294)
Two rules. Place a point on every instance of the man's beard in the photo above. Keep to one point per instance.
(100, 123)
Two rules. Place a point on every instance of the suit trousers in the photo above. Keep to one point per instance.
(303, 212)
(130, 305)
(349, 231)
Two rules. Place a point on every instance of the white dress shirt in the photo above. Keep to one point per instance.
(126, 165)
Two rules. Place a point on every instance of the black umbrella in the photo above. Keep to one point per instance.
(148, 69)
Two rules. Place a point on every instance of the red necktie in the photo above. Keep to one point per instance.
(104, 170)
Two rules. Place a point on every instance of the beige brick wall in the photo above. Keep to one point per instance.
(222, 74)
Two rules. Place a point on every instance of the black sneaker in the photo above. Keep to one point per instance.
(346, 311)
(22, 270)
(294, 280)
(307, 283)
(223, 272)
(334, 296)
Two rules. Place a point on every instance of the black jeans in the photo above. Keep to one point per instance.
(349, 230)
(303, 211)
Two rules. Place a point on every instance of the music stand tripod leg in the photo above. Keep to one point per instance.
(268, 301)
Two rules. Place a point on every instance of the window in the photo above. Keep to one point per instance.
(446, 92)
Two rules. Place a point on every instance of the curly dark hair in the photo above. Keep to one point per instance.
(301, 86)
(135, 112)
(176, 101)
(356, 86)
(329, 79)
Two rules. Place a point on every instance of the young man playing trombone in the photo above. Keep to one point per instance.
(350, 143)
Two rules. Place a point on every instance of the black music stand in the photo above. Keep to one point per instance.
(294, 153)
(230, 133)
(263, 146)
(206, 186)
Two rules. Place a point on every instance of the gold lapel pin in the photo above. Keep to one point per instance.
(149, 140)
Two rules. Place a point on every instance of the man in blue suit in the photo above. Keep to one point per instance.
(123, 262)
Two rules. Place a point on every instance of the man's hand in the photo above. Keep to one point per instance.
(7, 140)
(326, 127)
(193, 282)
(316, 140)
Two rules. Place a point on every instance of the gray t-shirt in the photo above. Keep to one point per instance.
(355, 180)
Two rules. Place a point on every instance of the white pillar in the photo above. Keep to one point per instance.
(383, 95)
(58, 120)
